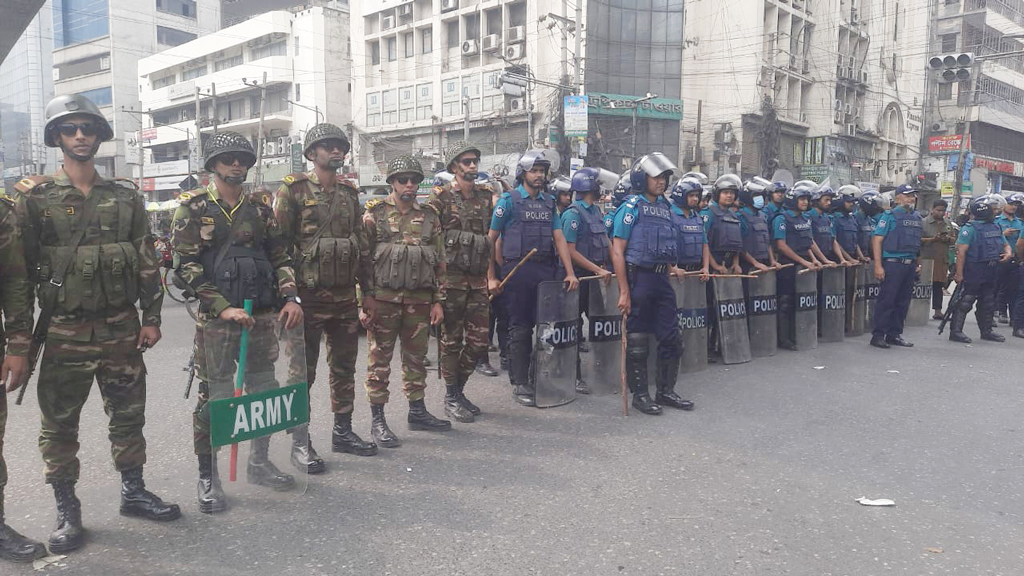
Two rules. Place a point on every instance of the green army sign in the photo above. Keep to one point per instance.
(234, 420)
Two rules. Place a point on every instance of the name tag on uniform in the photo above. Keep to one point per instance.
(310, 202)
(208, 220)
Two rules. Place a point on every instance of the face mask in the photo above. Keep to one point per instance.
(759, 202)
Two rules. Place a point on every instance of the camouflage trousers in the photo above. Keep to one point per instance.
(339, 322)
(411, 324)
(3, 430)
(66, 374)
(217, 343)
(464, 338)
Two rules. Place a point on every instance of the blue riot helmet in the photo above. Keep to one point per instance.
(871, 203)
(698, 176)
(585, 181)
(802, 189)
(984, 207)
(654, 165)
(726, 182)
(756, 186)
(820, 192)
(681, 190)
(443, 178)
(559, 185)
(622, 190)
(1015, 198)
(847, 193)
(529, 160)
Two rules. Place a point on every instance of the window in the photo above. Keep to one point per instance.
(410, 45)
(277, 102)
(517, 14)
(453, 34)
(90, 65)
(163, 82)
(100, 96)
(948, 42)
(473, 26)
(375, 54)
(193, 73)
(296, 45)
(428, 41)
(227, 63)
(172, 37)
(392, 49)
(945, 91)
(186, 8)
(77, 21)
(276, 49)
(233, 110)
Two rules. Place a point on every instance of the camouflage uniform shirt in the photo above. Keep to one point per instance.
(14, 286)
(458, 213)
(385, 224)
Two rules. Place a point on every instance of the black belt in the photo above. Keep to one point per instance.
(900, 260)
(690, 267)
(659, 269)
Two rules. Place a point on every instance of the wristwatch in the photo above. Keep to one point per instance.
(294, 299)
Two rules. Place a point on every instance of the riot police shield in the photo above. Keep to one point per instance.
(855, 300)
(832, 305)
(556, 344)
(871, 288)
(731, 314)
(806, 321)
(921, 297)
(692, 315)
(601, 366)
(253, 406)
(762, 314)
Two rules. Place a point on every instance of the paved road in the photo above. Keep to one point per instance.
(760, 479)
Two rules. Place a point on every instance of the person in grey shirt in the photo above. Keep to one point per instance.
(936, 236)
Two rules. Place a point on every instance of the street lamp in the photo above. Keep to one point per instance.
(636, 105)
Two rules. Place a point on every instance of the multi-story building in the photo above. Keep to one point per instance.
(815, 88)
(26, 84)
(984, 28)
(304, 57)
(97, 45)
(235, 11)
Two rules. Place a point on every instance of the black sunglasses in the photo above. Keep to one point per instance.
(331, 145)
(71, 129)
(469, 161)
(403, 180)
(229, 158)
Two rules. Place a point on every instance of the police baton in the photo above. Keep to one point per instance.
(622, 370)
(594, 277)
(732, 276)
(513, 271)
(770, 268)
(806, 270)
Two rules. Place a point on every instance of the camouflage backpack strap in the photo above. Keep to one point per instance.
(428, 222)
(126, 192)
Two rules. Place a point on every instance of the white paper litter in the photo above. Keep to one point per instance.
(878, 502)
(819, 367)
(893, 371)
(42, 563)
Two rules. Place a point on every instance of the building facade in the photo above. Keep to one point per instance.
(304, 57)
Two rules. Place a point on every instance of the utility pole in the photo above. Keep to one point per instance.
(578, 83)
(465, 122)
(565, 44)
(698, 153)
(213, 105)
(199, 136)
(258, 180)
(972, 100)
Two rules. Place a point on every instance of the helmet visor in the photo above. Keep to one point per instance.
(656, 164)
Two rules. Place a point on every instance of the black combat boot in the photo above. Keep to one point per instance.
(956, 323)
(208, 489)
(420, 419)
(382, 435)
(504, 362)
(343, 439)
(462, 396)
(985, 315)
(786, 332)
(137, 501)
(261, 471)
(897, 340)
(668, 372)
(519, 366)
(483, 366)
(70, 534)
(636, 373)
(304, 457)
(452, 406)
(14, 546)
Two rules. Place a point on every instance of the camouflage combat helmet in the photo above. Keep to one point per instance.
(322, 132)
(223, 142)
(456, 149)
(404, 165)
(67, 105)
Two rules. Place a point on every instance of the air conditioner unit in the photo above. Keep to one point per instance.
(516, 105)
(449, 5)
(850, 62)
(839, 118)
(491, 43)
(514, 52)
(849, 109)
(851, 129)
(470, 48)
(803, 117)
(839, 104)
(939, 127)
(387, 23)
(864, 76)
(798, 5)
(516, 35)
(405, 11)
(792, 60)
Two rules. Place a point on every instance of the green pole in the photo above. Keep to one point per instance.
(243, 357)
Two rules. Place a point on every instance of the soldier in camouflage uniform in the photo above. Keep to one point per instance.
(464, 206)
(407, 244)
(321, 223)
(205, 224)
(94, 332)
(17, 316)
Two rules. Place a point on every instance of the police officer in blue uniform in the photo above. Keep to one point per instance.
(524, 219)
(644, 248)
(623, 190)
(794, 243)
(1011, 225)
(870, 206)
(582, 225)
(757, 234)
(822, 228)
(980, 248)
(725, 236)
(693, 253)
(845, 225)
(896, 249)
(776, 198)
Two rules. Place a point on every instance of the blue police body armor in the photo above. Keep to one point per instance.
(691, 238)
(652, 242)
(591, 239)
(866, 227)
(725, 234)
(798, 233)
(531, 228)
(822, 226)
(906, 236)
(757, 241)
(988, 242)
(847, 232)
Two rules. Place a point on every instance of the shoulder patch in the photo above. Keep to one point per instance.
(632, 200)
(184, 196)
(5, 199)
(373, 203)
(29, 182)
(267, 200)
(192, 196)
(295, 177)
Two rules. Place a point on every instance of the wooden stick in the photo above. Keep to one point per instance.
(733, 276)
(806, 270)
(622, 373)
(594, 277)
(770, 268)
(513, 271)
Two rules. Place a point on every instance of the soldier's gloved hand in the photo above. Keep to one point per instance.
(13, 372)
(237, 315)
(291, 313)
(436, 314)
(148, 337)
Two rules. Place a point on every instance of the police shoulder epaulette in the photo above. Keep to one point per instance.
(632, 200)
(373, 203)
(190, 197)
(29, 182)
(295, 177)
(6, 200)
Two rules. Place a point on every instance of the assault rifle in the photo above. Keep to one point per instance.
(954, 302)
